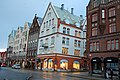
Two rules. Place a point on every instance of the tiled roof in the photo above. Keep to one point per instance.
(66, 16)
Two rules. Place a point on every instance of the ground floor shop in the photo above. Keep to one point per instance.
(104, 63)
(60, 62)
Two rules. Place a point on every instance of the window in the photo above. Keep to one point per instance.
(94, 31)
(97, 46)
(63, 40)
(109, 0)
(102, 1)
(111, 12)
(112, 44)
(53, 21)
(91, 46)
(94, 46)
(67, 41)
(103, 13)
(95, 3)
(76, 32)
(68, 31)
(53, 29)
(77, 52)
(75, 43)
(44, 25)
(49, 23)
(64, 30)
(78, 43)
(52, 40)
(64, 50)
(46, 41)
(79, 34)
(94, 17)
(49, 14)
(112, 28)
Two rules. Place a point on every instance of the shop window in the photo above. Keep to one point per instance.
(64, 64)
(76, 65)
(50, 63)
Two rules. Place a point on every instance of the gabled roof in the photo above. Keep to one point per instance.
(39, 20)
(65, 15)
(29, 24)
(21, 28)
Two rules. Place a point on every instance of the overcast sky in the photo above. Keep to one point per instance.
(14, 13)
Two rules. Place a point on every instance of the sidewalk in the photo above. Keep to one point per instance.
(87, 76)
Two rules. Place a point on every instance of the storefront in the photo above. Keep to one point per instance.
(60, 62)
(111, 63)
(96, 65)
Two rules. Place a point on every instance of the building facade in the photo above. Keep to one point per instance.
(61, 40)
(20, 44)
(10, 46)
(103, 35)
(33, 41)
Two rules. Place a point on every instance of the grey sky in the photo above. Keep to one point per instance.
(14, 13)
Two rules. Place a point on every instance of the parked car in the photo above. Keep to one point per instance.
(16, 66)
(3, 65)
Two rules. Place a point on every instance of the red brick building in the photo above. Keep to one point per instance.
(3, 56)
(103, 35)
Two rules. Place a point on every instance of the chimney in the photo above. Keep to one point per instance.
(62, 6)
(81, 16)
(72, 10)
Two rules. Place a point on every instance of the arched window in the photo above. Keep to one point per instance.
(64, 64)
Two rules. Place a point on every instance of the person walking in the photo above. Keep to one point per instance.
(0, 64)
(111, 72)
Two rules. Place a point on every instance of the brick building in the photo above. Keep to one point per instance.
(103, 35)
(33, 37)
(3, 56)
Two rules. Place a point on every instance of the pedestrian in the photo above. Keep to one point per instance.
(107, 74)
(111, 72)
(0, 64)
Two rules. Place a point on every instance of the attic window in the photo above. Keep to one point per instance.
(77, 24)
(49, 14)
(67, 21)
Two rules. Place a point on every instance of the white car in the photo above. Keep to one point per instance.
(16, 66)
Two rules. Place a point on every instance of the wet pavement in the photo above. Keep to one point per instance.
(23, 74)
